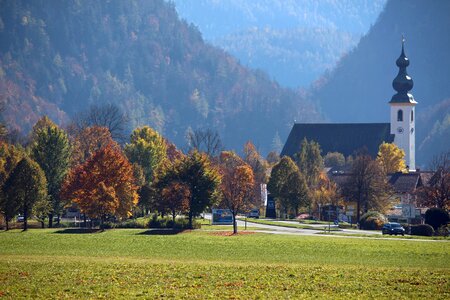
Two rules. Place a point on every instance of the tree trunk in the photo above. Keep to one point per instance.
(42, 225)
(358, 208)
(190, 219)
(235, 230)
(174, 214)
(25, 217)
(50, 220)
(7, 224)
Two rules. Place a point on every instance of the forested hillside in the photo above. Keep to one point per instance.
(361, 86)
(294, 41)
(58, 57)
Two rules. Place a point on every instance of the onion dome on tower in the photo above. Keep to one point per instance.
(403, 83)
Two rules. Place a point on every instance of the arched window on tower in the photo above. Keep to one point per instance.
(400, 115)
(412, 116)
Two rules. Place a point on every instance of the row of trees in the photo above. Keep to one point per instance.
(89, 170)
(302, 182)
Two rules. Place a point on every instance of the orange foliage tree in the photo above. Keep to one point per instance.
(87, 141)
(237, 184)
(103, 185)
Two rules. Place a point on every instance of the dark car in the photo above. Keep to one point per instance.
(393, 228)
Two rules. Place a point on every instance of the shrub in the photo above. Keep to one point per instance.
(444, 230)
(372, 220)
(436, 217)
(132, 223)
(181, 223)
(422, 230)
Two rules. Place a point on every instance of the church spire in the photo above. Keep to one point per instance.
(403, 83)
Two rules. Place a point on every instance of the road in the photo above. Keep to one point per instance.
(274, 229)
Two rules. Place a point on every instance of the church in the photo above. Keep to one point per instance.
(347, 138)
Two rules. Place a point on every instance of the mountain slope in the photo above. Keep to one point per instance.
(359, 89)
(58, 57)
(294, 41)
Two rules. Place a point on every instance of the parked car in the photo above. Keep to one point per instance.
(393, 228)
(20, 219)
(254, 213)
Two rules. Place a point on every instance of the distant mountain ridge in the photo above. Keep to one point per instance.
(294, 41)
(58, 57)
(359, 89)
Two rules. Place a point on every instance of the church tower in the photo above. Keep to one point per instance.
(403, 111)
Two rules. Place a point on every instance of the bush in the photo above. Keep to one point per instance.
(436, 217)
(181, 223)
(372, 220)
(422, 230)
(132, 223)
(444, 230)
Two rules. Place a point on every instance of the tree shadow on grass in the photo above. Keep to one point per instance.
(79, 230)
(162, 231)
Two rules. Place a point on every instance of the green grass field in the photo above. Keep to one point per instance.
(128, 263)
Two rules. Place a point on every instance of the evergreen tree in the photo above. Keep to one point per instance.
(51, 150)
(9, 157)
(25, 186)
(309, 161)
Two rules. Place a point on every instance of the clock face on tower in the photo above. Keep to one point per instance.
(400, 130)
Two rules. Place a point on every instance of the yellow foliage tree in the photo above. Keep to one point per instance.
(391, 158)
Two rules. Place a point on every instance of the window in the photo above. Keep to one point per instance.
(400, 115)
(412, 116)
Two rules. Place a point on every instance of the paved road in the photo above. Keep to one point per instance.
(274, 229)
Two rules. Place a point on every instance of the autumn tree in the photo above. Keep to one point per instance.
(309, 161)
(295, 191)
(206, 141)
(367, 185)
(107, 115)
(51, 150)
(25, 186)
(175, 197)
(148, 149)
(103, 185)
(279, 179)
(325, 193)
(9, 158)
(259, 167)
(89, 140)
(272, 158)
(200, 176)
(436, 193)
(237, 184)
(391, 158)
(334, 159)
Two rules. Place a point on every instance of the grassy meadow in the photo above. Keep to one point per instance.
(131, 263)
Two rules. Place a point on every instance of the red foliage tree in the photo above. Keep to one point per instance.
(103, 185)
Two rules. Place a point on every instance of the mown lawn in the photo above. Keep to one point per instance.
(128, 263)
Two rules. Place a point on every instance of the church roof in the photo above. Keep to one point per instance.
(403, 83)
(343, 138)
